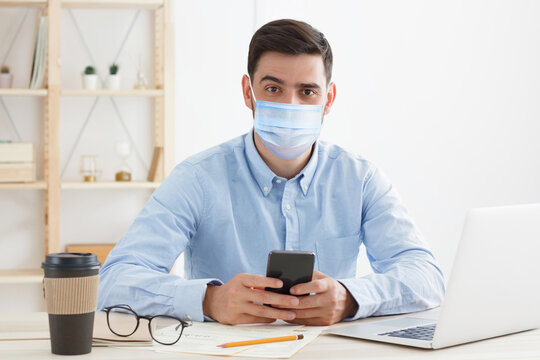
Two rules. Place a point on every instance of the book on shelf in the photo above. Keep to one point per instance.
(101, 250)
(39, 60)
(156, 158)
(17, 162)
(17, 172)
(17, 152)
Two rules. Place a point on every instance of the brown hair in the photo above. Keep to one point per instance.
(290, 37)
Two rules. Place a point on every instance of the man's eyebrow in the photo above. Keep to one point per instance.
(272, 78)
(309, 86)
(281, 82)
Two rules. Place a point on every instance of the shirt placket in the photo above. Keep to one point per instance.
(288, 209)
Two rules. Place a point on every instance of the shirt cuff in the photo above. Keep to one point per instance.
(359, 290)
(189, 298)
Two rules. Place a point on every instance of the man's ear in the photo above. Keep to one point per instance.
(330, 97)
(246, 92)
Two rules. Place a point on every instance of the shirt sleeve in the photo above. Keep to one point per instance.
(405, 275)
(137, 270)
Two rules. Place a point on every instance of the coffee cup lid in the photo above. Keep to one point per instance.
(71, 261)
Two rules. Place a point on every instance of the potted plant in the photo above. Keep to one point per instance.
(90, 78)
(6, 79)
(113, 81)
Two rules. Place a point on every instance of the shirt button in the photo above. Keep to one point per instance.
(288, 207)
(265, 189)
(305, 187)
(278, 181)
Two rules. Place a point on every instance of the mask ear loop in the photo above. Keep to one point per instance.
(324, 107)
(252, 96)
(251, 88)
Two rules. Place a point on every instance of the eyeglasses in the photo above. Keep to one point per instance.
(164, 329)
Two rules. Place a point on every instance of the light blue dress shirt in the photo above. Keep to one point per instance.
(226, 210)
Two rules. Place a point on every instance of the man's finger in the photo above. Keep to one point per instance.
(271, 298)
(259, 281)
(310, 301)
(305, 302)
(315, 286)
(268, 312)
(308, 313)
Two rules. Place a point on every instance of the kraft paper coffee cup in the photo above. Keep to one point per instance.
(70, 288)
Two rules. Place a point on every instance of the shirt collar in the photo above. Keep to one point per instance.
(309, 170)
(260, 171)
(264, 176)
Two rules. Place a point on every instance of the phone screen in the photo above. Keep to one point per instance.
(291, 267)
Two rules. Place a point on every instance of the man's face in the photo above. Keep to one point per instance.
(291, 79)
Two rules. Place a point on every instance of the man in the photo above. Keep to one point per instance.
(276, 187)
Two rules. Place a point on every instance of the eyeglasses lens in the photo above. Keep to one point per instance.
(122, 322)
(166, 330)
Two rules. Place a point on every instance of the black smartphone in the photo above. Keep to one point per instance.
(291, 267)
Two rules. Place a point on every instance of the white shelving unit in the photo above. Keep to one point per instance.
(163, 119)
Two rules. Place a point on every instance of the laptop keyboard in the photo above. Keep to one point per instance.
(419, 333)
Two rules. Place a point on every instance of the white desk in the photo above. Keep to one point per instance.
(525, 345)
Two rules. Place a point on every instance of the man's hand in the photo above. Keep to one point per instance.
(233, 302)
(330, 303)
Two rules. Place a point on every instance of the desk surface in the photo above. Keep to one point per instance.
(525, 345)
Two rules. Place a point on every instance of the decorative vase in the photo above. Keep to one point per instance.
(90, 82)
(113, 82)
(6, 80)
(90, 169)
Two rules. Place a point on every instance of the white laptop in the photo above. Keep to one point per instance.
(493, 290)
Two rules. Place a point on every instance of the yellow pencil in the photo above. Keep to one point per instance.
(262, 341)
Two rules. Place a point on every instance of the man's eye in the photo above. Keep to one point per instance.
(272, 89)
(308, 92)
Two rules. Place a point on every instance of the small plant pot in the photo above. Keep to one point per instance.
(90, 82)
(6, 80)
(113, 82)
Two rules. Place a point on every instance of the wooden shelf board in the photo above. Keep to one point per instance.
(21, 276)
(37, 185)
(106, 92)
(22, 3)
(109, 185)
(112, 4)
(23, 92)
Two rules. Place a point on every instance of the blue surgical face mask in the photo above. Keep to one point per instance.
(287, 130)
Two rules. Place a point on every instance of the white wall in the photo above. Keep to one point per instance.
(442, 95)
(212, 41)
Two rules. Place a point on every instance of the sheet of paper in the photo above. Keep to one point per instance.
(204, 338)
(285, 349)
